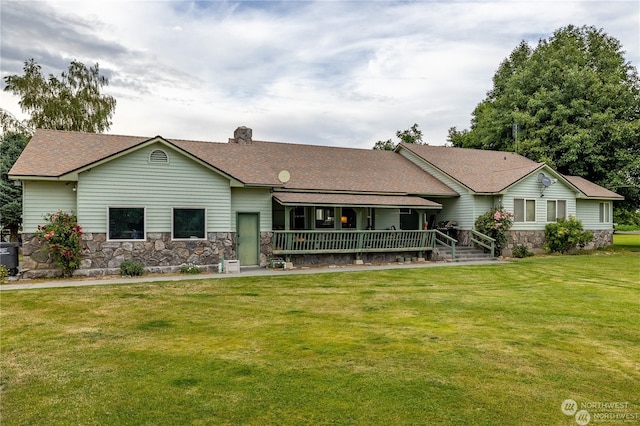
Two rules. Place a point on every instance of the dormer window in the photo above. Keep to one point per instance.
(158, 156)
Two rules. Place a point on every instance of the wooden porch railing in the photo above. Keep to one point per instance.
(484, 241)
(444, 240)
(316, 242)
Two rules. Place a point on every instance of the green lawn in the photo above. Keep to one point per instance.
(494, 344)
(630, 242)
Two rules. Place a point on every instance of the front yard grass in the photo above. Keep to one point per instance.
(629, 242)
(491, 344)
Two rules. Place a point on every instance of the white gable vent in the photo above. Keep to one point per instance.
(158, 156)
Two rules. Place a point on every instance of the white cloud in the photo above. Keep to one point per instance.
(337, 73)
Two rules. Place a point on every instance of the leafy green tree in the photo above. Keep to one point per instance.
(72, 102)
(10, 124)
(573, 102)
(411, 135)
(11, 146)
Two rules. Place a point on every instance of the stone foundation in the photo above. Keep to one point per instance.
(350, 258)
(158, 253)
(534, 240)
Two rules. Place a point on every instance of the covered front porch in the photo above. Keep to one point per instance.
(358, 242)
(308, 226)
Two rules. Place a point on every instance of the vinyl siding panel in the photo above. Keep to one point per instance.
(386, 218)
(588, 211)
(460, 209)
(529, 188)
(252, 200)
(132, 181)
(41, 197)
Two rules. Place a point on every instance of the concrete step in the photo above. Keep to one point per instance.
(465, 254)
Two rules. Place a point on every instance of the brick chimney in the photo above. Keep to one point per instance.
(242, 135)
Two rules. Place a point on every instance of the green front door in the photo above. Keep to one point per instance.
(248, 238)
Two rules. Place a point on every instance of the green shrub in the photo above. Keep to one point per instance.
(496, 224)
(189, 268)
(627, 216)
(627, 228)
(565, 235)
(62, 237)
(131, 268)
(4, 273)
(521, 251)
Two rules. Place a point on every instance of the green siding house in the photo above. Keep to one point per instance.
(168, 202)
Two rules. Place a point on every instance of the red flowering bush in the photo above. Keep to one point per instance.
(63, 238)
(496, 224)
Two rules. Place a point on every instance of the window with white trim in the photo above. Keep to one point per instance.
(126, 223)
(604, 212)
(188, 223)
(524, 210)
(556, 209)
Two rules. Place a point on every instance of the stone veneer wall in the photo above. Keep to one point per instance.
(534, 240)
(158, 253)
(350, 258)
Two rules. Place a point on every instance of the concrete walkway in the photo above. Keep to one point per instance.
(244, 272)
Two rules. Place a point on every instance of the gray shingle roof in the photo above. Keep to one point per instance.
(592, 190)
(53, 153)
(318, 168)
(481, 171)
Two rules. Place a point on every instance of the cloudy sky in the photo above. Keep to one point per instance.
(341, 73)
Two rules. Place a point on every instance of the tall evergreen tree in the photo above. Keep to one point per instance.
(573, 101)
(11, 146)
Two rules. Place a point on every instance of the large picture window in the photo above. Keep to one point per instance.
(524, 210)
(126, 223)
(189, 223)
(556, 209)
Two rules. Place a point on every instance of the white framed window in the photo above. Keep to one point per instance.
(126, 223)
(604, 212)
(188, 223)
(524, 210)
(556, 209)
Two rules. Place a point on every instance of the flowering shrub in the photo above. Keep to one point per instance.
(189, 268)
(63, 239)
(495, 224)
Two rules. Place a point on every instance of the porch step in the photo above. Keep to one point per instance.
(465, 254)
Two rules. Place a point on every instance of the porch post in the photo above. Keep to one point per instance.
(287, 218)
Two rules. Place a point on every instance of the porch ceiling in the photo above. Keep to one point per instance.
(353, 200)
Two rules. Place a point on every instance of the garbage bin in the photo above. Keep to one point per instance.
(9, 257)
